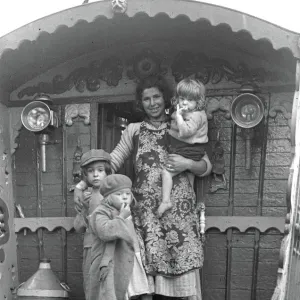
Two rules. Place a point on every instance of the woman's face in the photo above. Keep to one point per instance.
(153, 103)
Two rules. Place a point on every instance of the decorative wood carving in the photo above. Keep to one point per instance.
(219, 222)
(4, 226)
(110, 71)
(119, 6)
(144, 64)
(74, 110)
(76, 166)
(284, 107)
(218, 103)
(15, 126)
(214, 70)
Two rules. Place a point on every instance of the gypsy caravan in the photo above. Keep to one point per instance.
(79, 68)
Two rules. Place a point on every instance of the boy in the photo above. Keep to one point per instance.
(95, 165)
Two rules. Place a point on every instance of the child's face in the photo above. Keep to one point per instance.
(121, 197)
(187, 104)
(95, 173)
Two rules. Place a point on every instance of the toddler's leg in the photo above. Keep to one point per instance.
(191, 178)
(167, 183)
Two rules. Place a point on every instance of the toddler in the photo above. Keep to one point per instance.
(116, 271)
(188, 132)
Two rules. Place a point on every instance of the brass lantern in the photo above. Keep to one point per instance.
(247, 111)
(38, 117)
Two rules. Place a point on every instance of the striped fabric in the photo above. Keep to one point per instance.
(186, 285)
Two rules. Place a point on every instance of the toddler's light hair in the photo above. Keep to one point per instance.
(107, 199)
(191, 89)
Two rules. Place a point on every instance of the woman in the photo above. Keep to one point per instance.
(173, 248)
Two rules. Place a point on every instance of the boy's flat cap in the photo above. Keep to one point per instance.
(94, 155)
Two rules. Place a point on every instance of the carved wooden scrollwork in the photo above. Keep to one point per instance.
(15, 127)
(89, 78)
(218, 103)
(77, 110)
(144, 64)
(214, 70)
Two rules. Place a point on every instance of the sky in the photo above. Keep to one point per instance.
(16, 13)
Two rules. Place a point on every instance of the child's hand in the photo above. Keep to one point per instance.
(179, 110)
(86, 199)
(103, 273)
(125, 211)
(78, 200)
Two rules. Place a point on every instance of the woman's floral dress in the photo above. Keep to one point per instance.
(172, 243)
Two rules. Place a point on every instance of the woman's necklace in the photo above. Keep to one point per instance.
(156, 124)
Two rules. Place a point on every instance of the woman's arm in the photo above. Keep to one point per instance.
(125, 147)
(177, 163)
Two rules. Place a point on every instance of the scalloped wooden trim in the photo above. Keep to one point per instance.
(244, 223)
(49, 223)
(221, 223)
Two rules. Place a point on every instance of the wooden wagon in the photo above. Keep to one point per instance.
(87, 60)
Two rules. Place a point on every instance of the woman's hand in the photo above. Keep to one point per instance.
(177, 163)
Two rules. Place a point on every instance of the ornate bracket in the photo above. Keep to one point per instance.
(74, 110)
(218, 103)
(281, 106)
(119, 6)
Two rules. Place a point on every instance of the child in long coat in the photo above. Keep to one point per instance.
(95, 165)
(119, 275)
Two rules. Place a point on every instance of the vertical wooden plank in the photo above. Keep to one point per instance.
(8, 255)
(289, 282)
(39, 208)
(94, 125)
(100, 124)
(65, 197)
(230, 210)
(260, 197)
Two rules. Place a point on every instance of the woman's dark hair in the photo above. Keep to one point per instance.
(107, 168)
(158, 82)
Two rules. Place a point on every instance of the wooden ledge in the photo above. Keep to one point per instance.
(222, 223)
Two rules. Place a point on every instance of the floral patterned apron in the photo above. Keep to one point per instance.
(172, 243)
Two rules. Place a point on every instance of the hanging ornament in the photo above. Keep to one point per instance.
(218, 170)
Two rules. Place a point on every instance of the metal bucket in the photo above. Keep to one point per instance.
(43, 285)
